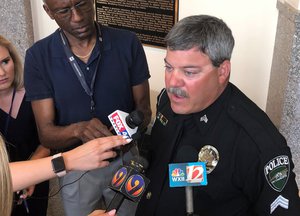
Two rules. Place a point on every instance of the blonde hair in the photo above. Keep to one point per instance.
(6, 191)
(18, 82)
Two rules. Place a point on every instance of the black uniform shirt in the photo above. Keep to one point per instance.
(254, 173)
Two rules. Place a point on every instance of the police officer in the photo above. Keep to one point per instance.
(249, 165)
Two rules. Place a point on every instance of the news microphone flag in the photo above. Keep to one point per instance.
(129, 182)
(187, 174)
(118, 121)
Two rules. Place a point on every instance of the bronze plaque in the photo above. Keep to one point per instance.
(150, 20)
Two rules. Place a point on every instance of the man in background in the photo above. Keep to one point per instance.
(75, 78)
(202, 116)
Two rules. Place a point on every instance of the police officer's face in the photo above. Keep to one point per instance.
(193, 83)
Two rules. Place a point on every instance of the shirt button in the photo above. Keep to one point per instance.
(148, 195)
(87, 68)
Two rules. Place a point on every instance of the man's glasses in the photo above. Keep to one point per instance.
(66, 13)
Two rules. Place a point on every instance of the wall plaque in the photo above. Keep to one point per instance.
(151, 20)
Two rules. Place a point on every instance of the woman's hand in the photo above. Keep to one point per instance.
(93, 154)
(102, 213)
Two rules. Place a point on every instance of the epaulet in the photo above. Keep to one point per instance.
(255, 122)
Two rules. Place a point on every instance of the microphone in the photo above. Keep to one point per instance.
(127, 124)
(129, 183)
(187, 174)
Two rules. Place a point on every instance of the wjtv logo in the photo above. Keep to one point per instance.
(187, 174)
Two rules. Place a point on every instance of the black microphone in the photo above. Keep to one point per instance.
(134, 119)
(129, 183)
(127, 124)
(187, 153)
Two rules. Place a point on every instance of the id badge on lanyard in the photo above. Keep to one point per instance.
(89, 90)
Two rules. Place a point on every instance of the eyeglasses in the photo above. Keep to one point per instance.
(66, 13)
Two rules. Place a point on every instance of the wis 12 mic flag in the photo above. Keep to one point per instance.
(128, 182)
(187, 174)
(126, 124)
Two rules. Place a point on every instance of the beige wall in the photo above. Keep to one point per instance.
(253, 23)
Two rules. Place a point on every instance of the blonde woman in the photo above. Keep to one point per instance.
(91, 155)
(18, 126)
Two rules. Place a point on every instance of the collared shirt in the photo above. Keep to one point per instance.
(48, 74)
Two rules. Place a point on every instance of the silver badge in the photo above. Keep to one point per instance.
(210, 156)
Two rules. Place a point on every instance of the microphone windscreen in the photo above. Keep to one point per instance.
(135, 118)
(186, 153)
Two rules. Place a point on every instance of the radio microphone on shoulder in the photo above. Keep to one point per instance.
(129, 183)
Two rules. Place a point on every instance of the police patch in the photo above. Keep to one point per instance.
(277, 172)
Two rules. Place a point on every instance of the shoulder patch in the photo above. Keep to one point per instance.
(277, 172)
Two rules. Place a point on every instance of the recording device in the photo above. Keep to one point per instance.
(127, 124)
(129, 183)
(187, 174)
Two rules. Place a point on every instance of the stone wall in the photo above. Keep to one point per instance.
(16, 23)
(283, 105)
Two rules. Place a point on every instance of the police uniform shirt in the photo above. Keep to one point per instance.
(254, 173)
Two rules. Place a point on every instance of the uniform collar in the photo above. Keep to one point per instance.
(205, 119)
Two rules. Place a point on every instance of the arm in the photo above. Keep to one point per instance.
(91, 155)
(58, 137)
(40, 152)
(142, 100)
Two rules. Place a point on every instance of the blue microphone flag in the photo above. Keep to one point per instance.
(187, 174)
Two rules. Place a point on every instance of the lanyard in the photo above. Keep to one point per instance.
(9, 113)
(7, 122)
(88, 89)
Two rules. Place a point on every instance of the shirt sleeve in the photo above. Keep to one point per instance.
(37, 83)
(269, 183)
(139, 68)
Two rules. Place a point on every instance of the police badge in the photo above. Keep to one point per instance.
(210, 156)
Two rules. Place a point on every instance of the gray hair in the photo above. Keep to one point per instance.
(209, 34)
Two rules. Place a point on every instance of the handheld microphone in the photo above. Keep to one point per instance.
(126, 124)
(187, 174)
(129, 183)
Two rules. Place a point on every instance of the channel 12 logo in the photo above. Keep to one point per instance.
(187, 174)
(194, 173)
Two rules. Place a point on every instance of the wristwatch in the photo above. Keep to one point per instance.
(58, 165)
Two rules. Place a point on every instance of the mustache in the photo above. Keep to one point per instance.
(177, 91)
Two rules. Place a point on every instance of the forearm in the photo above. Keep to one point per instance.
(91, 155)
(142, 101)
(27, 173)
(59, 137)
(147, 115)
(40, 152)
